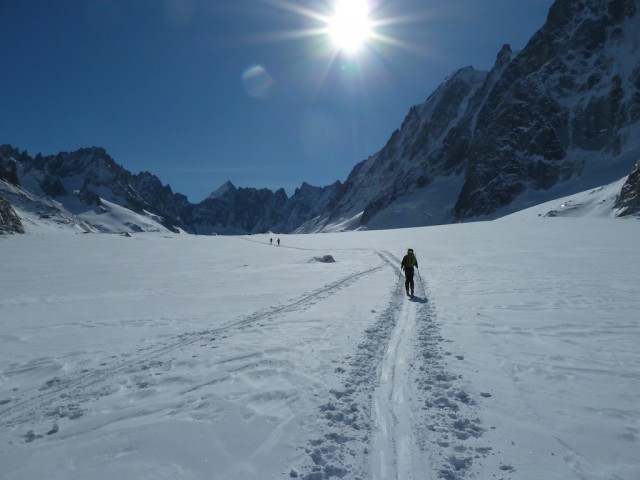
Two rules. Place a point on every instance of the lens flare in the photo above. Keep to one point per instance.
(257, 81)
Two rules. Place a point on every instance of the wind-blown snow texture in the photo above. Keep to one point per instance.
(176, 356)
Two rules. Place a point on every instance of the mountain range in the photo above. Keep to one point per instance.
(559, 117)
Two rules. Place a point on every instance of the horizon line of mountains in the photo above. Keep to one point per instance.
(559, 117)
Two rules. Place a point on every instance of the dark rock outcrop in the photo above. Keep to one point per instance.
(628, 200)
(9, 219)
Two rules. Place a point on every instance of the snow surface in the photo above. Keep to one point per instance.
(164, 356)
(595, 203)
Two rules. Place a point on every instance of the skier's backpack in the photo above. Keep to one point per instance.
(411, 260)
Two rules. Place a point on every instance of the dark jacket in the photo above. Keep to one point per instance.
(404, 266)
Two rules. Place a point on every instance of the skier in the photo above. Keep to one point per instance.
(408, 263)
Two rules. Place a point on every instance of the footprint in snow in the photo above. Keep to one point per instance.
(54, 429)
(30, 436)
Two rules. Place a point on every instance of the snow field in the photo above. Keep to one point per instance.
(559, 329)
(173, 356)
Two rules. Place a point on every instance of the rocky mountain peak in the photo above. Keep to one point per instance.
(225, 188)
(569, 91)
(558, 117)
(504, 56)
(9, 170)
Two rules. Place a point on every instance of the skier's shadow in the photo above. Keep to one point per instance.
(419, 299)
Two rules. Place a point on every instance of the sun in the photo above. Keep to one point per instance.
(349, 28)
(339, 28)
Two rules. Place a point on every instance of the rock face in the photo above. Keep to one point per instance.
(530, 124)
(9, 170)
(237, 211)
(231, 210)
(68, 183)
(628, 201)
(9, 220)
(574, 88)
(85, 176)
(401, 185)
(307, 204)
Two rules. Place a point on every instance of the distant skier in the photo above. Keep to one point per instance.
(409, 262)
(271, 241)
(278, 242)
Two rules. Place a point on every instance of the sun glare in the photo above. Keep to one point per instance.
(344, 27)
(349, 27)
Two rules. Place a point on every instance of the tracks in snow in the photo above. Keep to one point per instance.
(370, 416)
(401, 414)
(426, 423)
(65, 397)
(395, 454)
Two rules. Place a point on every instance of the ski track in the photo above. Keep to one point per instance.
(392, 411)
(401, 397)
(420, 411)
(342, 447)
(66, 397)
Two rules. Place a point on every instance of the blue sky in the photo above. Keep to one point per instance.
(253, 91)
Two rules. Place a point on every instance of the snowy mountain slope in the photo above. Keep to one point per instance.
(559, 117)
(88, 182)
(88, 185)
(112, 218)
(403, 167)
(596, 203)
(572, 90)
(234, 359)
(40, 214)
(616, 199)
(564, 106)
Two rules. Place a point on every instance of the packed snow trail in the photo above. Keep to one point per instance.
(395, 452)
(401, 414)
(380, 398)
(392, 413)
